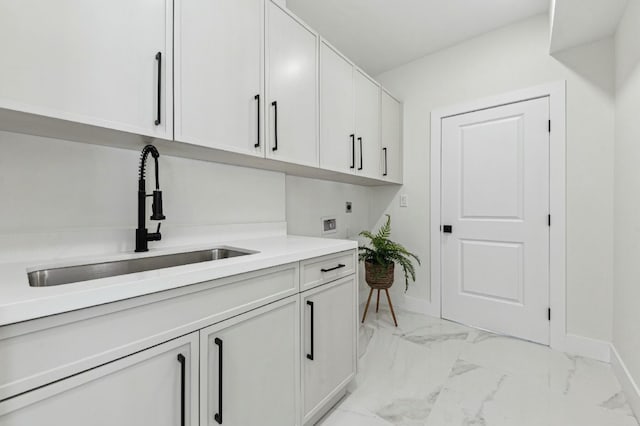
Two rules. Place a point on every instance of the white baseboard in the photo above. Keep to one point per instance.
(420, 306)
(586, 347)
(629, 385)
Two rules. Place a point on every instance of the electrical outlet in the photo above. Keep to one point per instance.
(404, 200)
(349, 207)
(329, 225)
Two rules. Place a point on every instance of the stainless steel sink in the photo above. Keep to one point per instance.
(78, 273)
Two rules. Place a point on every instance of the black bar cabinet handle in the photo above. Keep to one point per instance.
(360, 140)
(257, 98)
(218, 416)
(183, 396)
(340, 265)
(159, 59)
(353, 151)
(275, 125)
(385, 161)
(310, 356)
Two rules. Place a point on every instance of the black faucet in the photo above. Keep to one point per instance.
(142, 235)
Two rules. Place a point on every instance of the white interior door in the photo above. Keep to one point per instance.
(495, 197)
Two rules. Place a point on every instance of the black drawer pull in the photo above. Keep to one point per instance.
(274, 104)
(361, 167)
(340, 265)
(257, 98)
(385, 161)
(183, 395)
(218, 416)
(159, 59)
(353, 151)
(310, 304)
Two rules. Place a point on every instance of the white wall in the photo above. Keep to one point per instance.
(626, 313)
(508, 59)
(309, 200)
(51, 185)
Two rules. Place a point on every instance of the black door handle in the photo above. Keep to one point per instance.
(310, 356)
(360, 140)
(182, 361)
(385, 161)
(275, 125)
(447, 229)
(218, 416)
(257, 98)
(353, 151)
(159, 59)
(340, 265)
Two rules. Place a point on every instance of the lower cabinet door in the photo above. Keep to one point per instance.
(249, 368)
(158, 386)
(329, 328)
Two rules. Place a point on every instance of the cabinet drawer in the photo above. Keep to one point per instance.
(80, 340)
(321, 270)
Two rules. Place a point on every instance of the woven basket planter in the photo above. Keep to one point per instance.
(379, 277)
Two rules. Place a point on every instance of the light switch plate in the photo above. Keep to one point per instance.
(404, 200)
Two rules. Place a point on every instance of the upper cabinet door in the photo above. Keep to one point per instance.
(367, 126)
(219, 74)
(106, 64)
(391, 123)
(292, 107)
(337, 126)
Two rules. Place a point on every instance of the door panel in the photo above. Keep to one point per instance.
(333, 352)
(260, 347)
(391, 132)
(141, 389)
(219, 74)
(337, 149)
(495, 194)
(292, 110)
(90, 62)
(367, 126)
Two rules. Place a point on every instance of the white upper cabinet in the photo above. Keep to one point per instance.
(337, 125)
(219, 74)
(367, 114)
(107, 64)
(391, 131)
(292, 95)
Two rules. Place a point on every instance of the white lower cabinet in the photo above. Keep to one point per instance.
(279, 363)
(249, 368)
(328, 344)
(158, 386)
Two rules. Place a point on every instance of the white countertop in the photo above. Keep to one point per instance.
(21, 302)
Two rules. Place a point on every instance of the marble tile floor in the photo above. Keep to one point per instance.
(434, 372)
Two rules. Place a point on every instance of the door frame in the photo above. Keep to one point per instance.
(556, 92)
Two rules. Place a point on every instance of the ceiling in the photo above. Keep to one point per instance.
(577, 22)
(379, 35)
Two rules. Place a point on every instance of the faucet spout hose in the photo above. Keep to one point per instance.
(149, 149)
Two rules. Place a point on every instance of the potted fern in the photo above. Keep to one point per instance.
(379, 263)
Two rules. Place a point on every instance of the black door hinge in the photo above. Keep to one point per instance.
(549, 126)
(549, 314)
(549, 220)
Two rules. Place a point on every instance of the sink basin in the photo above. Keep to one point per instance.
(77, 273)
